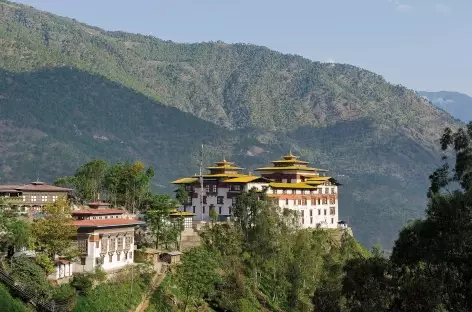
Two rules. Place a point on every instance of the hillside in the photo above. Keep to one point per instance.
(457, 104)
(70, 92)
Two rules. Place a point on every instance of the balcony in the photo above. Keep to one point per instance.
(12, 200)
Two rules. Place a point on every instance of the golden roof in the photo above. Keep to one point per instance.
(245, 179)
(176, 213)
(299, 185)
(318, 179)
(185, 181)
(223, 175)
(289, 162)
(226, 165)
(289, 168)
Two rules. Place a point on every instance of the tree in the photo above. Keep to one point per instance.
(54, 232)
(15, 233)
(88, 180)
(157, 217)
(197, 275)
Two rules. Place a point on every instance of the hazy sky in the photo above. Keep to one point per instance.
(421, 44)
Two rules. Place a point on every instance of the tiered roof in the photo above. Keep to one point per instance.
(230, 173)
(223, 169)
(290, 162)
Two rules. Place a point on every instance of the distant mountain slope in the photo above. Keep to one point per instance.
(457, 104)
(70, 92)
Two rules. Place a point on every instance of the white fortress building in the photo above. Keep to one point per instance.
(290, 182)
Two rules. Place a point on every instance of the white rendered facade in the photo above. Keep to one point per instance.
(290, 183)
(105, 237)
(112, 248)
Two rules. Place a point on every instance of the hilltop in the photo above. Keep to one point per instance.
(70, 92)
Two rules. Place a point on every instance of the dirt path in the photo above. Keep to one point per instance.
(157, 280)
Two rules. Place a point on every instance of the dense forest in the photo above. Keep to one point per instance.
(70, 93)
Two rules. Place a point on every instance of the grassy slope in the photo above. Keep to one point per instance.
(64, 85)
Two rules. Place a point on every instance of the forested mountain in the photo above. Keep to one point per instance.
(70, 92)
(457, 104)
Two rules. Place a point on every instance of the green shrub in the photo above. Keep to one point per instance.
(112, 297)
(31, 276)
(99, 275)
(8, 303)
(65, 295)
(83, 283)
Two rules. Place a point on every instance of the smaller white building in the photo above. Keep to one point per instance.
(63, 269)
(104, 237)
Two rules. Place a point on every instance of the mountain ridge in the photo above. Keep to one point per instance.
(88, 93)
(459, 105)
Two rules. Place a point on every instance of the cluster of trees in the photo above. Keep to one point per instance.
(122, 184)
(263, 261)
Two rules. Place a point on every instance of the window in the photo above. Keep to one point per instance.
(120, 243)
(126, 256)
(219, 200)
(230, 209)
(304, 201)
(24, 197)
(284, 191)
(303, 216)
(194, 209)
(236, 187)
(311, 220)
(189, 199)
(312, 192)
(332, 220)
(110, 258)
(33, 198)
(204, 199)
(188, 188)
(320, 191)
(203, 210)
(290, 192)
(332, 211)
(311, 212)
(319, 201)
(326, 190)
(332, 191)
(325, 212)
(131, 255)
(44, 198)
(112, 244)
(219, 210)
(234, 200)
(274, 191)
(319, 212)
(313, 201)
(118, 257)
(325, 201)
(213, 188)
(97, 244)
(54, 198)
(332, 201)
(286, 201)
(207, 188)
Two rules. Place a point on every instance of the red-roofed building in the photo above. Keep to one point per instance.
(30, 198)
(104, 237)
